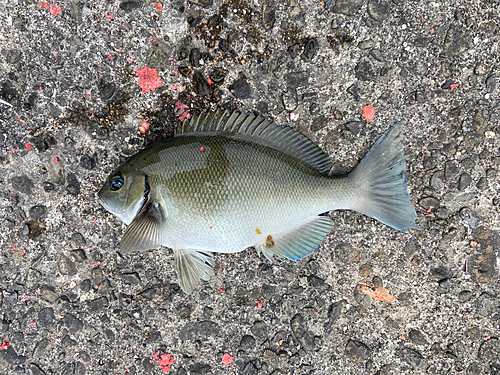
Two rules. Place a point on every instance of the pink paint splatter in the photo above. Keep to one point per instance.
(44, 4)
(54, 10)
(227, 359)
(185, 114)
(174, 87)
(453, 86)
(368, 113)
(158, 7)
(5, 344)
(164, 361)
(148, 79)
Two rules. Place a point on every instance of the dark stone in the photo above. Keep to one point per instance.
(334, 312)
(465, 295)
(250, 369)
(78, 239)
(48, 294)
(357, 351)
(259, 330)
(46, 317)
(207, 312)
(306, 338)
(124, 300)
(199, 369)
(457, 41)
(129, 5)
(319, 123)
(38, 211)
(354, 126)
(429, 202)
(198, 330)
(268, 14)
(417, 337)
(364, 70)
(48, 186)
(131, 278)
(487, 305)
(464, 181)
(10, 357)
(475, 369)
(491, 83)
(316, 282)
(22, 184)
(203, 3)
(354, 91)
(441, 273)
(290, 100)
(88, 161)
(72, 323)
(411, 357)
(41, 348)
(35, 229)
(195, 57)
(377, 55)
(240, 88)
(483, 264)
(482, 183)
(85, 285)
(68, 341)
(73, 186)
(450, 170)
(297, 79)
(149, 293)
(442, 213)
(379, 10)
(200, 84)
(66, 266)
(36, 370)
(310, 48)
(182, 53)
(347, 7)
(489, 351)
(470, 216)
(106, 90)
(247, 342)
(154, 336)
(437, 180)
(98, 304)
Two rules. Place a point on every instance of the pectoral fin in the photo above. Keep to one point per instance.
(297, 242)
(146, 231)
(192, 266)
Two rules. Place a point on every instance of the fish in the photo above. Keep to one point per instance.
(229, 181)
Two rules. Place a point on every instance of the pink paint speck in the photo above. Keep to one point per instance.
(148, 79)
(368, 113)
(227, 359)
(164, 361)
(44, 4)
(453, 86)
(143, 126)
(5, 345)
(54, 10)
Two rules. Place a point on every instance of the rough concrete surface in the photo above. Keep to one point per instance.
(74, 73)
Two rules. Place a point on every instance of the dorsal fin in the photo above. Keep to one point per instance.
(257, 129)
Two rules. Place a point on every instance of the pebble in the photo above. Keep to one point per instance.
(306, 338)
(470, 216)
(379, 10)
(411, 357)
(464, 181)
(247, 342)
(88, 161)
(268, 14)
(73, 186)
(259, 330)
(442, 213)
(357, 351)
(428, 202)
(438, 180)
(240, 88)
(486, 305)
(319, 123)
(46, 317)
(200, 84)
(48, 186)
(22, 184)
(377, 55)
(491, 83)
(72, 323)
(483, 263)
(311, 46)
(489, 351)
(106, 90)
(364, 70)
(198, 330)
(347, 7)
(417, 337)
(98, 304)
(131, 278)
(457, 41)
(66, 266)
(129, 5)
(42, 348)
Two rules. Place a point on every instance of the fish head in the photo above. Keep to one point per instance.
(125, 193)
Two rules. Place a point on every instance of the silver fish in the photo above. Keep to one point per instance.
(229, 181)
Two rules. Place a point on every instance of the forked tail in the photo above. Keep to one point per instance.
(381, 179)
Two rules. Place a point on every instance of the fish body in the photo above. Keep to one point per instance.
(229, 181)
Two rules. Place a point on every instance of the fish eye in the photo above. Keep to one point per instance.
(116, 183)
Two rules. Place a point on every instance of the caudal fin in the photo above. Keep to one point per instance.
(381, 178)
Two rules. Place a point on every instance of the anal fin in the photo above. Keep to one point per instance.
(192, 266)
(146, 231)
(297, 242)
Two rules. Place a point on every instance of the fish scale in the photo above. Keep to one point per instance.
(229, 181)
